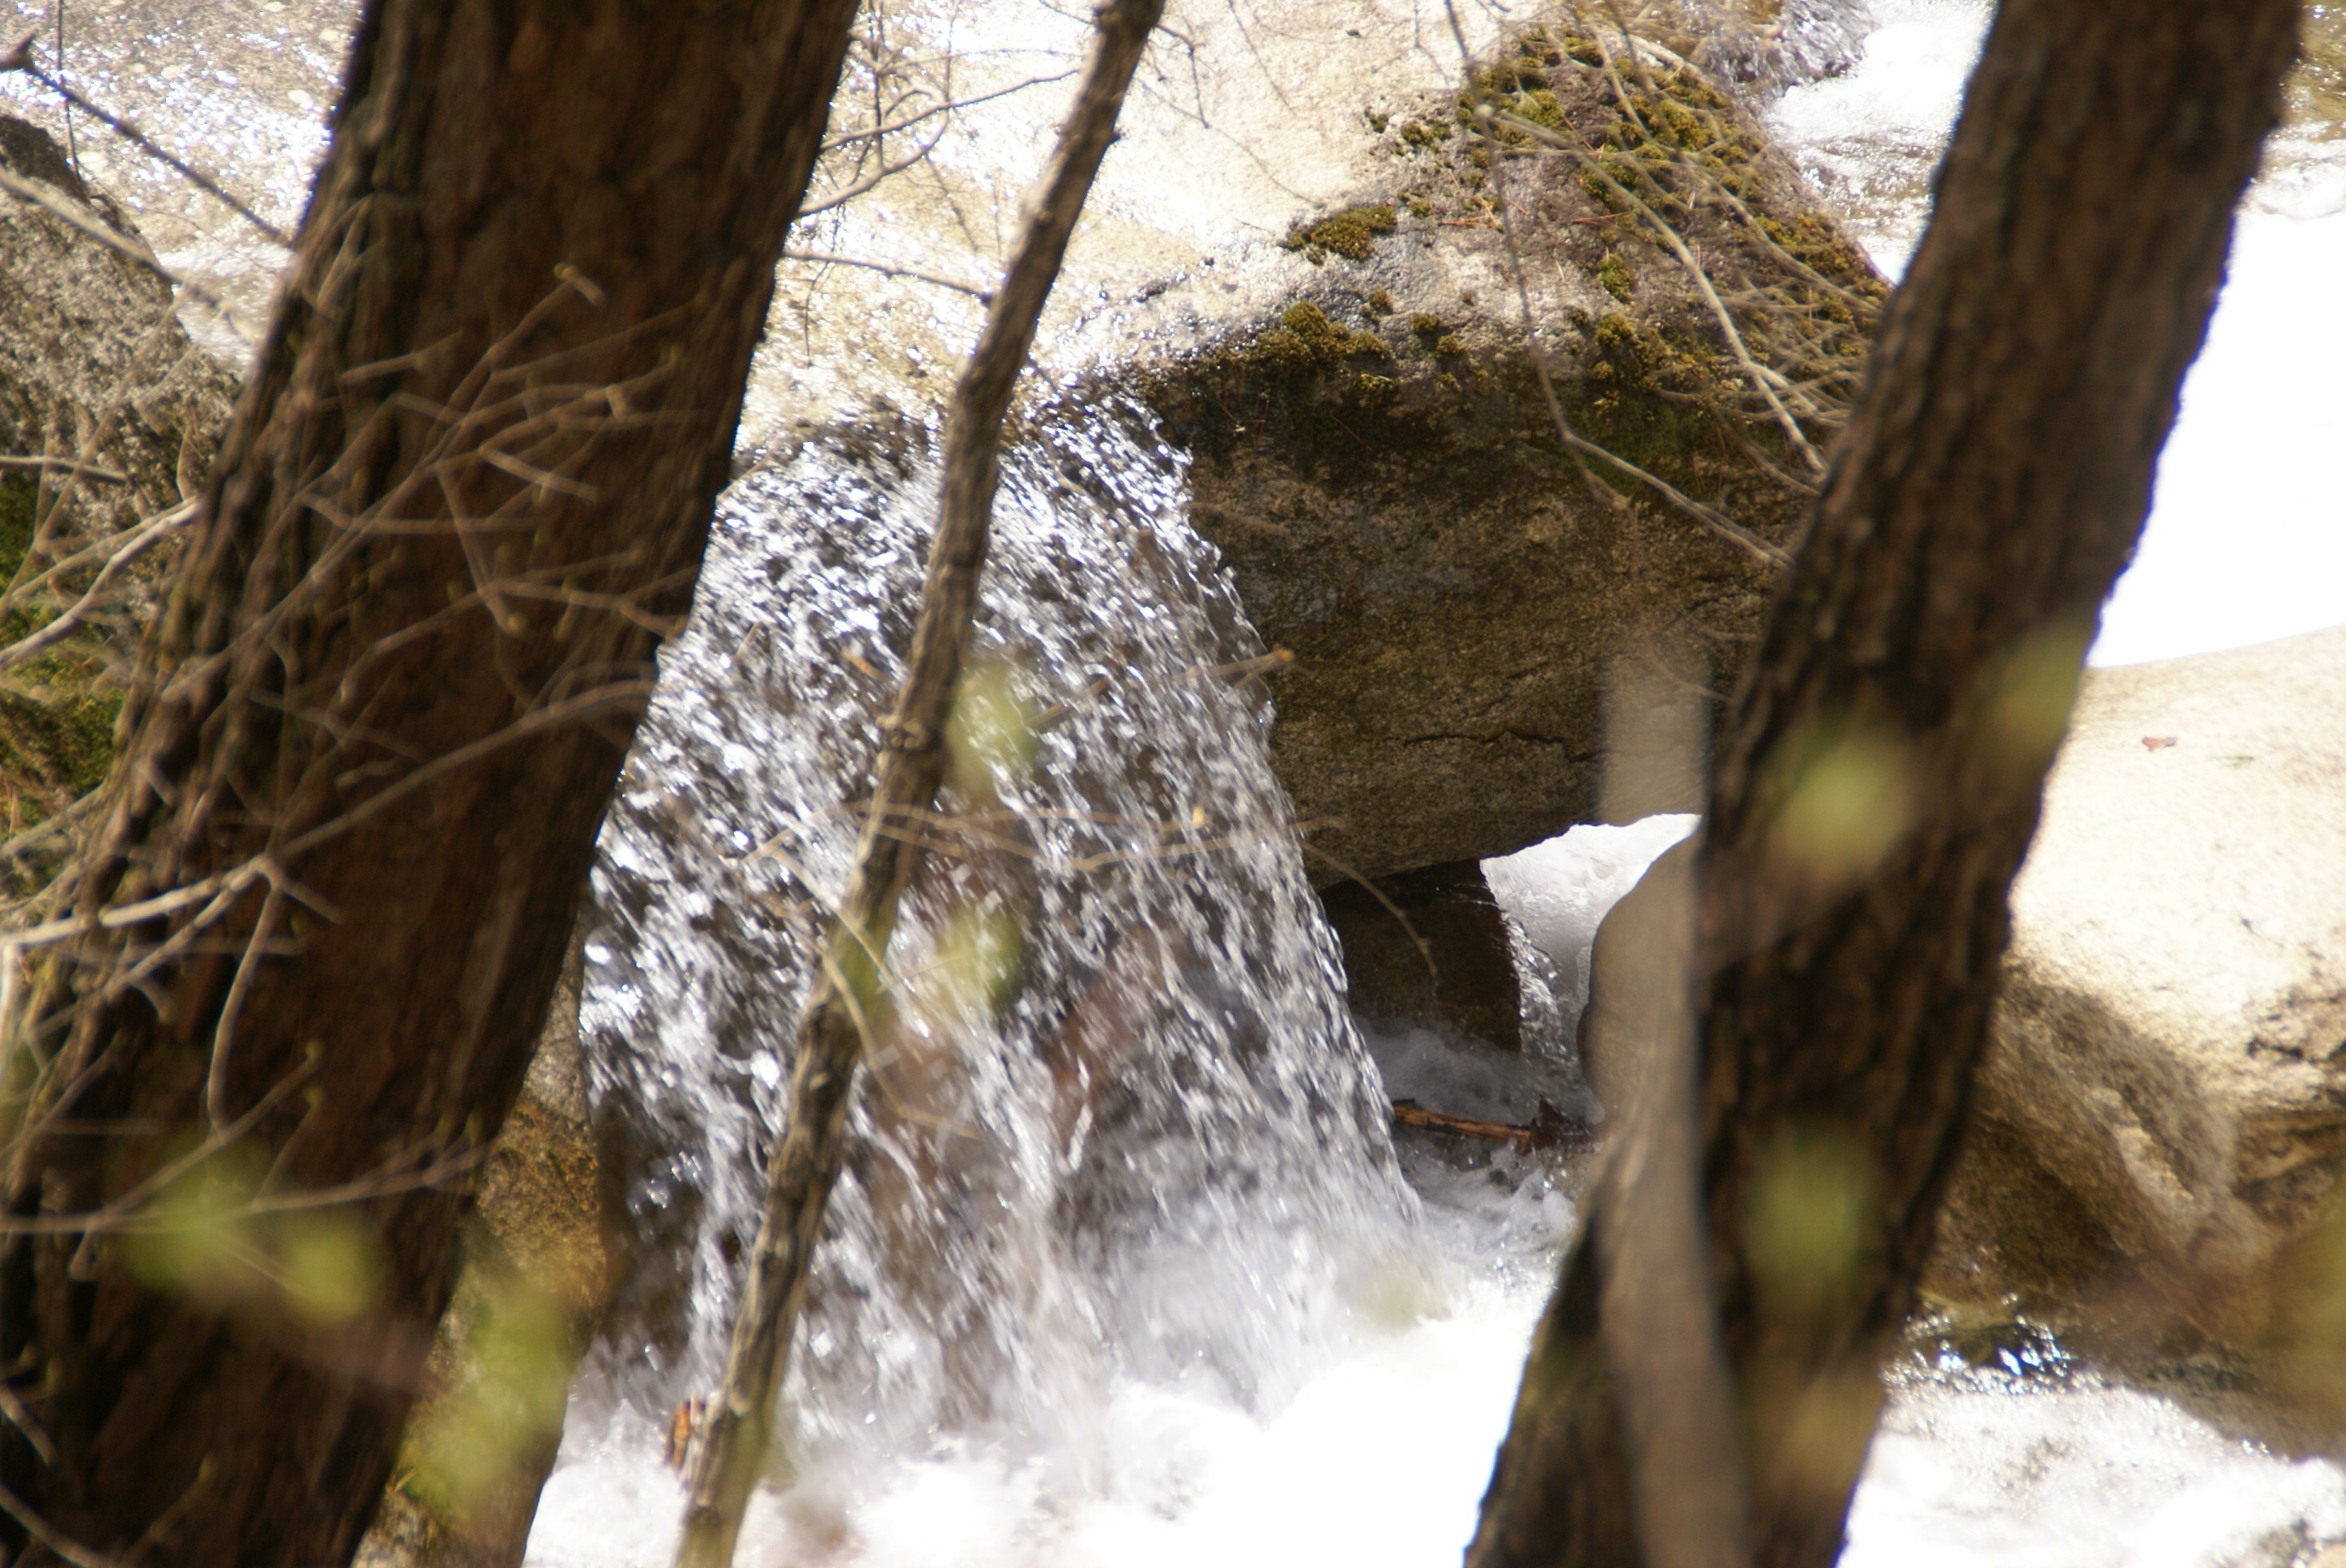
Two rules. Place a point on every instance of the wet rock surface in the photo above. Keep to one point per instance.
(2160, 1129)
(540, 1261)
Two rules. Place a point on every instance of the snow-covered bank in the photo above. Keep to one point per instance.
(2247, 538)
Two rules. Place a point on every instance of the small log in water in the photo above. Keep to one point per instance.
(1547, 1130)
(737, 1431)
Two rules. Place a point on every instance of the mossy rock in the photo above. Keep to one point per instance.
(91, 354)
(1350, 233)
(1382, 466)
(96, 373)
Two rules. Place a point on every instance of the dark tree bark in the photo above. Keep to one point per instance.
(464, 497)
(1879, 784)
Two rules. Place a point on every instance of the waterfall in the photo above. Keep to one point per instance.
(1127, 1269)
(1120, 1124)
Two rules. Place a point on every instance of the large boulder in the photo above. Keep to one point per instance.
(95, 367)
(109, 415)
(1381, 465)
(2160, 1125)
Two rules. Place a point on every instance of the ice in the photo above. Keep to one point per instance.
(1559, 891)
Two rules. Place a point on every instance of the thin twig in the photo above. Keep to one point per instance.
(70, 466)
(1758, 373)
(833, 1033)
(892, 269)
(224, 1033)
(49, 199)
(47, 1535)
(140, 541)
(20, 58)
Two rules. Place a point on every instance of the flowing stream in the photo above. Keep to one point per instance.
(1127, 1267)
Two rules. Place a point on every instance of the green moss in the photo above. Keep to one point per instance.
(1306, 342)
(1680, 121)
(18, 494)
(1349, 233)
(1543, 109)
(1518, 74)
(1649, 394)
(1616, 276)
(56, 712)
(1813, 240)
(1654, 385)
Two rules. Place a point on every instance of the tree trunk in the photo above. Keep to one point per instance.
(462, 499)
(1877, 788)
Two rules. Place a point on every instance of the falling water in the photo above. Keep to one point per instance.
(1120, 1126)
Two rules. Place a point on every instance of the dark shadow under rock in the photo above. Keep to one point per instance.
(1463, 977)
(1468, 1026)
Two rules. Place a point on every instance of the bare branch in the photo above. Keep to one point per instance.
(138, 544)
(824, 258)
(805, 1161)
(21, 59)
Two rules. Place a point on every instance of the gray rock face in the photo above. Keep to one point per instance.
(1380, 468)
(94, 367)
(2161, 1121)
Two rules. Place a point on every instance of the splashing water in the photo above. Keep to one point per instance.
(1119, 1127)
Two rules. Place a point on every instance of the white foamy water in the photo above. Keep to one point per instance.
(1974, 1471)
(1378, 1461)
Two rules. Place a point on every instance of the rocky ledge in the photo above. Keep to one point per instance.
(2160, 1130)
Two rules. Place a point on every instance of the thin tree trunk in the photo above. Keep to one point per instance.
(805, 1160)
(464, 497)
(1878, 785)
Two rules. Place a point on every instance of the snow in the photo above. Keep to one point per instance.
(2247, 538)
